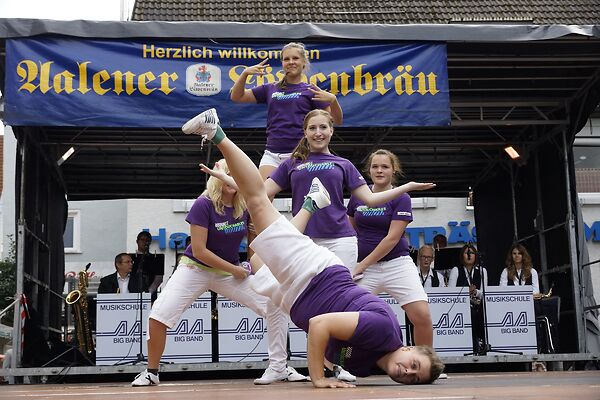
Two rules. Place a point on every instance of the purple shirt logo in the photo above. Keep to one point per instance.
(285, 96)
(228, 228)
(312, 166)
(371, 212)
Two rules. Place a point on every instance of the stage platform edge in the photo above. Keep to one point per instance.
(260, 365)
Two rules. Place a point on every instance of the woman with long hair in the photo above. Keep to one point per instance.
(218, 222)
(384, 263)
(288, 101)
(519, 269)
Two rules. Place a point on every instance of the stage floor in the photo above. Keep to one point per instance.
(505, 385)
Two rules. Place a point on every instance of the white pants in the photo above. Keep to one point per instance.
(293, 260)
(273, 159)
(346, 248)
(189, 282)
(398, 277)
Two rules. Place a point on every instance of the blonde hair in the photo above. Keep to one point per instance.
(428, 247)
(511, 268)
(302, 149)
(214, 191)
(396, 165)
(282, 84)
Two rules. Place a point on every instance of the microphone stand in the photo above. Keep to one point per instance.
(487, 347)
(140, 358)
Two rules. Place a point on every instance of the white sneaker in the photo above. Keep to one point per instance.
(146, 379)
(318, 194)
(443, 375)
(204, 124)
(342, 375)
(270, 376)
(295, 376)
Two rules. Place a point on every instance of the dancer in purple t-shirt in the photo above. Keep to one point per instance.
(384, 262)
(287, 101)
(218, 223)
(343, 321)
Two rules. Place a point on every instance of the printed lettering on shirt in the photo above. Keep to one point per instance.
(371, 212)
(404, 213)
(227, 228)
(284, 96)
(345, 353)
(312, 166)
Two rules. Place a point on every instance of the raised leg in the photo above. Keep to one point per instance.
(250, 185)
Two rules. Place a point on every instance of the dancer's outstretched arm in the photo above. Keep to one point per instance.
(271, 187)
(364, 194)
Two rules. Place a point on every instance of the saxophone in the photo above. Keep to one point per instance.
(78, 299)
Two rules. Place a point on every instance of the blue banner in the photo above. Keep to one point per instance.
(58, 81)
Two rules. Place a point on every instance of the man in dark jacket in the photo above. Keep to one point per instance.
(122, 281)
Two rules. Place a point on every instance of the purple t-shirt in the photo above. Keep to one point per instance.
(336, 174)
(286, 109)
(377, 332)
(373, 224)
(225, 233)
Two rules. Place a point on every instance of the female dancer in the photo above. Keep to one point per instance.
(384, 261)
(471, 275)
(287, 101)
(519, 269)
(218, 222)
(343, 321)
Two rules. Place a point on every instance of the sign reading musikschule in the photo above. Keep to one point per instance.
(145, 83)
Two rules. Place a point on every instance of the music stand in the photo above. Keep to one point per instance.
(145, 268)
(446, 258)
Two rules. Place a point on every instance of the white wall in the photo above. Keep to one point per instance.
(8, 190)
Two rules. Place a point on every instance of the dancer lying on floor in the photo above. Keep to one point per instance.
(344, 322)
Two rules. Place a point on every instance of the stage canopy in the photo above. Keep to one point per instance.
(517, 85)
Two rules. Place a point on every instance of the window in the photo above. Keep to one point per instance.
(586, 157)
(72, 233)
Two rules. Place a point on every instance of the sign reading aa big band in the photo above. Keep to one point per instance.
(58, 81)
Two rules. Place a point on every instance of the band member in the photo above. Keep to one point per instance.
(429, 276)
(122, 281)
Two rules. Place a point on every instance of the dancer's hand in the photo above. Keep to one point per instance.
(358, 272)
(239, 272)
(322, 95)
(217, 172)
(414, 186)
(258, 69)
(331, 383)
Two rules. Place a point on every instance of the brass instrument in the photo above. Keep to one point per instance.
(78, 299)
(539, 296)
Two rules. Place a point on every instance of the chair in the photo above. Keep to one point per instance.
(547, 318)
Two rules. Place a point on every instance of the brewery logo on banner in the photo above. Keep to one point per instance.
(203, 80)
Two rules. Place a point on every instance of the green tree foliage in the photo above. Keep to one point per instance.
(8, 281)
